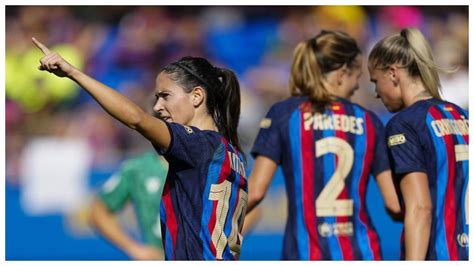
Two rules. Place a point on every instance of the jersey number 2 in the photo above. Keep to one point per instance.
(221, 193)
(327, 203)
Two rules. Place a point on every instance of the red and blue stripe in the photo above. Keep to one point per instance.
(168, 216)
(302, 234)
(445, 202)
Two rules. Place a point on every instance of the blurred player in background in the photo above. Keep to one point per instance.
(327, 147)
(428, 145)
(205, 195)
(139, 181)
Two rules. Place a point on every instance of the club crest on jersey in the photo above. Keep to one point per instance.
(188, 129)
(265, 123)
(396, 140)
(463, 240)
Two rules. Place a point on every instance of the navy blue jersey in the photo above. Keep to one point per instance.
(432, 137)
(204, 198)
(326, 160)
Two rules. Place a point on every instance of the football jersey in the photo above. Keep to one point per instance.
(326, 159)
(140, 181)
(432, 136)
(204, 198)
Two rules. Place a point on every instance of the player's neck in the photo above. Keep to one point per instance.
(415, 92)
(204, 122)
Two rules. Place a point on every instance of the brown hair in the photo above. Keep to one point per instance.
(328, 51)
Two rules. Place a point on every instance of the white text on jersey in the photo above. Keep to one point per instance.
(443, 127)
(236, 164)
(345, 123)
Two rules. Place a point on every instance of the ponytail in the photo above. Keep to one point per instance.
(424, 63)
(410, 49)
(227, 111)
(222, 90)
(306, 77)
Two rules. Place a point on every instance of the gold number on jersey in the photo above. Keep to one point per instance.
(221, 193)
(461, 152)
(327, 203)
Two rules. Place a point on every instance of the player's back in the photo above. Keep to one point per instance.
(326, 158)
(204, 197)
(432, 136)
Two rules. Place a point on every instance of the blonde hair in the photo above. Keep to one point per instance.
(328, 51)
(412, 51)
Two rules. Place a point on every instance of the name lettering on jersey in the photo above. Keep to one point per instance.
(396, 140)
(236, 164)
(443, 127)
(336, 229)
(340, 122)
(265, 123)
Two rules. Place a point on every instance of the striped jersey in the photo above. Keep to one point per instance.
(140, 181)
(204, 198)
(431, 136)
(326, 159)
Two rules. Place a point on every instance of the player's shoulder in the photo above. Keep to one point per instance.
(288, 104)
(355, 106)
(413, 116)
(363, 110)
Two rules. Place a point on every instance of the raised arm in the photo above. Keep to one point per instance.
(114, 103)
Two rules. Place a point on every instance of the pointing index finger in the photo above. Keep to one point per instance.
(43, 48)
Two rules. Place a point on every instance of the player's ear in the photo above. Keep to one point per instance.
(197, 96)
(340, 74)
(393, 74)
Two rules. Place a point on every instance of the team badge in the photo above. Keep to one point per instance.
(396, 140)
(463, 240)
(188, 129)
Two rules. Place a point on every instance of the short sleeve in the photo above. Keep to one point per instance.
(405, 148)
(188, 145)
(268, 142)
(380, 162)
(116, 190)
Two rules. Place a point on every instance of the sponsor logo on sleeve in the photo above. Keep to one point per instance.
(265, 123)
(396, 140)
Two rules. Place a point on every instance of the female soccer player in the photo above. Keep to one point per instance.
(205, 195)
(327, 147)
(428, 145)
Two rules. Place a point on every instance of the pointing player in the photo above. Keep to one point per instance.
(205, 195)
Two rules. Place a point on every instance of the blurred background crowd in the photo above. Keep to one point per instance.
(125, 47)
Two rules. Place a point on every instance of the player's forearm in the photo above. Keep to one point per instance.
(117, 105)
(417, 231)
(109, 228)
(389, 194)
(254, 199)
